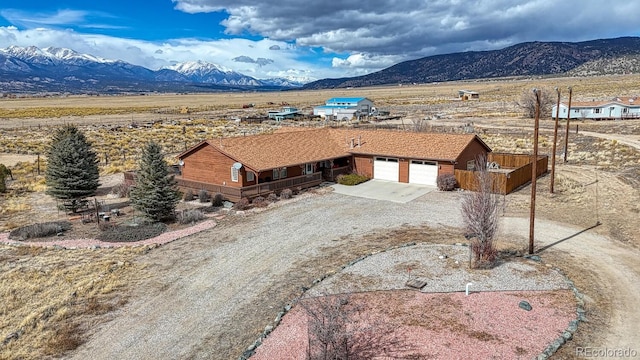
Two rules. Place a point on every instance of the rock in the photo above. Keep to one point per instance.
(525, 305)
(535, 258)
(542, 357)
(567, 335)
(12, 336)
(442, 257)
(268, 329)
(573, 326)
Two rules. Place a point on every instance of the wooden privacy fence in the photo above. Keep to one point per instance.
(515, 171)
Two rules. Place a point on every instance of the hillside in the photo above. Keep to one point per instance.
(525, 59)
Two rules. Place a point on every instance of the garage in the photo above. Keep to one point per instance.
(386, 169)
(423, 172)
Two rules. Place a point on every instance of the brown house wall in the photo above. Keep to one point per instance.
(208, 165)
(291, 172)
(363, 165)
(445, 168)
(404, 171)
(471, 152)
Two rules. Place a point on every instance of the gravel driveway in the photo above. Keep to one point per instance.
(215, 276)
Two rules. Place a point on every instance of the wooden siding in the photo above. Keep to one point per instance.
(470, 153)
(404, 171)
(208, 165)
(505, 182)
(363, 165)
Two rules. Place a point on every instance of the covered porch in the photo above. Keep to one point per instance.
(234, 194)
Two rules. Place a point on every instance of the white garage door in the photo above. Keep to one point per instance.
(423, 172)
(386, 169)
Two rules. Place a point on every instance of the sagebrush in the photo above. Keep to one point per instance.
(446, 182)
(39, 230)
(126, 233)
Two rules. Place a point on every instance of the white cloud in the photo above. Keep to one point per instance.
(155, 55)
(416, 28)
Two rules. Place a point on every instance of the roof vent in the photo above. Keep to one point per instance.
(353, 143)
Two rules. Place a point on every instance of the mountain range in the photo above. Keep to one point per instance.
(525, 59)
(35, 70)
(51, 69)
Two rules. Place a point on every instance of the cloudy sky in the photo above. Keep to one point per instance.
(301, 38)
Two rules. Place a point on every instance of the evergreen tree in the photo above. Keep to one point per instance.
(155, 193)
(4, 172)
(72, 167)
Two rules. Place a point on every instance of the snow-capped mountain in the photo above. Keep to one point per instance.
(52, 69)
(208, 73)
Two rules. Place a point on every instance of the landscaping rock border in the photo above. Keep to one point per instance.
(549, 350)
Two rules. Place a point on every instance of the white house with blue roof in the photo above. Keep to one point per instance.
(340, 108)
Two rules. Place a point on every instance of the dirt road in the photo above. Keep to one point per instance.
(208, 289)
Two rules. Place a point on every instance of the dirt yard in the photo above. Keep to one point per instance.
(244, 271)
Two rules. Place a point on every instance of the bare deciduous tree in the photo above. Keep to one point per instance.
(528, 103)
(480, 216)
(337, 330)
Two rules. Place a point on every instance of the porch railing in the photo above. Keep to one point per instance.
(235, 194)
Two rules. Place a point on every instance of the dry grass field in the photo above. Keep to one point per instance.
(51, 295)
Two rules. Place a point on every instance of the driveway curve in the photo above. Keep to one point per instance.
(205, 290)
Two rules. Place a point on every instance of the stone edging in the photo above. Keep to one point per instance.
(550, 350)
(94, 244)
(573, 324)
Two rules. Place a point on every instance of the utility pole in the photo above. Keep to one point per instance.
(555, 141)
(566, 136)
(534, 173)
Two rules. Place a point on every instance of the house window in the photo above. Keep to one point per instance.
(308, 169)
(597, 111)
(276, 174)
(250, 176)
(471, 165)
(625, 110)
(564, 111)
(283, 173)
(234, 174)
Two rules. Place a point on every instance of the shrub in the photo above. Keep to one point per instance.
(446, 182)
(126, 233)
(218, 200)
(203, 196)
(351, 179)
(272, 197)
(188, 195)
(190, 216)
(286, 194)
(39, 230)
(260, 201)
(122, 190)
(242, 204)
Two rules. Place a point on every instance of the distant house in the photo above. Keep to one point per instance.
(344, 108)
(617, 108)
(287, 112)
(249, 166)
(468, 95)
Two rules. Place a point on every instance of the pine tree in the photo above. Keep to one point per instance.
(72, 168)
(155, 193)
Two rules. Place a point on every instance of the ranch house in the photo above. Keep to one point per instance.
(248, 166)
(618, 108)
